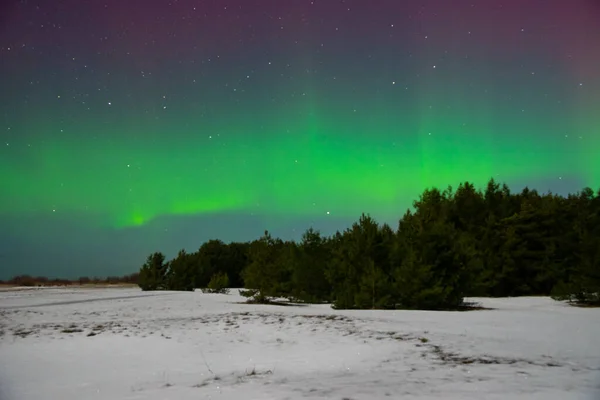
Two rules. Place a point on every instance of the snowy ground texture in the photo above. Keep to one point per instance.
(124, 344)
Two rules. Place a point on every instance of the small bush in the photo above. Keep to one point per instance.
(219, 283)
(248, 293)
(23, 280)
(84, 280)
(255, 296)
(562, 292)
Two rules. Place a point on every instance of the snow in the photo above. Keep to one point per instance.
(181, 345)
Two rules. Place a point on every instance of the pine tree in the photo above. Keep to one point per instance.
(153, 274)
(237, 260)
(434, 270)
(585, 280)
(374, 288)
(354, 254)
(309, 266)
(467, 242)
(219, 283)
(208, 258)
(268, 274)
(181, 273)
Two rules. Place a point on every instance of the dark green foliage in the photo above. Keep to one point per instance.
(153, 274)
(269, 270)
(584, 283)
(219, 283)
(360, 266)
(188, 271)
(311, 257)
(181, 274)
(433, 259)
(250, 294)
(237, 260)
(452, 244)
(212, 257)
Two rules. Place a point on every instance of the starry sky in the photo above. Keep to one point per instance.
(134, 126)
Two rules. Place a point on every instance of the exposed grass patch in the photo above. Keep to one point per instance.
(471, 306)
(456, 359)
(23, 333)
(584, 305)
(273, 303)
(71, 330)
(206, 382)
(253, 373)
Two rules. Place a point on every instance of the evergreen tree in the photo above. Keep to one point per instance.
(219, 283)
(359, 251)
(267, 274)
(153, 274)
(434, 271)
(309, 267)
(237, 260)
(584, 285)
(454, 244)
(181, 273)
(212, 257)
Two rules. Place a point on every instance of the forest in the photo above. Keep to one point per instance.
(452, 244)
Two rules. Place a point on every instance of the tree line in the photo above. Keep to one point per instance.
(31, 281)
(453, 244)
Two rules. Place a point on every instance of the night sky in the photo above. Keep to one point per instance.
(134, 126)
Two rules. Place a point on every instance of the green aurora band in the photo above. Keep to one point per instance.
(322, 163)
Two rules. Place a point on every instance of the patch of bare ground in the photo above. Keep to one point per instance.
(235, 378)
(466, 306)
(71, 329)
(273, 303)
(23, 332)
(471, 306)
(450, 358)
(585, 305)
(54, 328)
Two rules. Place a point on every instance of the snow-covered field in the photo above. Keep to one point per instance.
(124, 344)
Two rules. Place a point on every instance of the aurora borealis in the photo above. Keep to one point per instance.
(135, 126)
